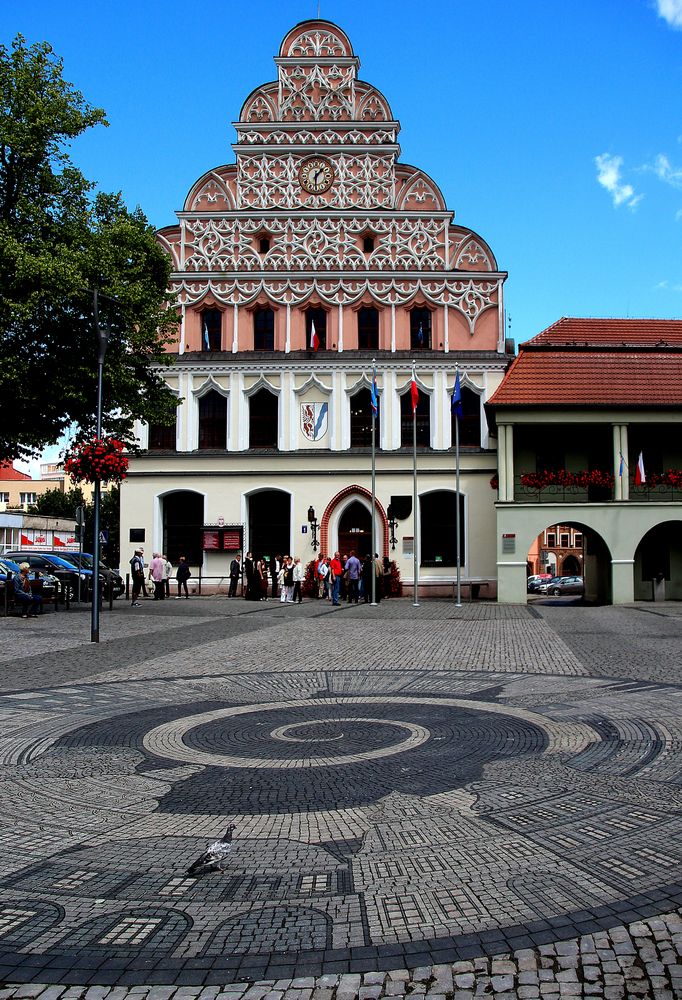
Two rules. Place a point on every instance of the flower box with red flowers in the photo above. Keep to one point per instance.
(98, 460)
(565, 480)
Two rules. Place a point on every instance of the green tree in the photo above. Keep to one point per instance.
(59, 240)
(54, 503)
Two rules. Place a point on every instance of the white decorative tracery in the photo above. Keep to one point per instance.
(267, 180)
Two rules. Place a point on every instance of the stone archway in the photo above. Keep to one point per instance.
(338, 500)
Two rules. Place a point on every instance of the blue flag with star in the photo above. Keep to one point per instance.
(456, 399)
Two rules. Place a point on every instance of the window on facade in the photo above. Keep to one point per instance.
(4, 497)
(27, 498)
(438, 526)
(319, 318)
(263, 430)
(368, 329)
(212, 421)
(211, 329)
(361, 421)
(264, 244)
(423, 421)
(578, 540)
(368, 244)
(563, 540)
(551, 540)
(162, 437)
(264, 329)
(470, 421)
(420, 329)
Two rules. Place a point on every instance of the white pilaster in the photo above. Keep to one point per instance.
(235, 328)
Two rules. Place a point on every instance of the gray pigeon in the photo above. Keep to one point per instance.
(214, 857)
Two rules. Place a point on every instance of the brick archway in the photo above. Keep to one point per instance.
(334, 503)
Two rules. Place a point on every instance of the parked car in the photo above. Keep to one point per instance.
(563, 585)
(63, 570)
(534, 582)
(49, 584)
(84, 560)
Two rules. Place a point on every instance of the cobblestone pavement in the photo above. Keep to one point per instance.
(452, 802)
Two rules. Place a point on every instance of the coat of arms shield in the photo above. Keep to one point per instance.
(314, 420)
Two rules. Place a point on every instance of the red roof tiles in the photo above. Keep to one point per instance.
(597, 363)
(8, 472)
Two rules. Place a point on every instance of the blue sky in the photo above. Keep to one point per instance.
(553, 128)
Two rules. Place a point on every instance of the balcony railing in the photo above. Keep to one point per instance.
(554, 493)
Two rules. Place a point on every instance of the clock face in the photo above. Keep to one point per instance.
(316, 175)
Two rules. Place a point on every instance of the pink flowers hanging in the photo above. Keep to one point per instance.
(100, 459)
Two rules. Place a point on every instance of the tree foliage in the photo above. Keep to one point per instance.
(60, 240)
(54, 503)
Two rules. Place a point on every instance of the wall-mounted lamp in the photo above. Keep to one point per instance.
(312, 521)
(392, 524)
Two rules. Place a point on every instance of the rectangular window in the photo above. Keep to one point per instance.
(162, 437)
(4, 497)
(578, 540)
(564, 540)
(264, 330)
(319, 318)
(368, 329)
(551, 540)
(211, 330)
(27, 497)
(420, 329)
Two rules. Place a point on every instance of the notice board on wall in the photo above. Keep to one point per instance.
(223, 538)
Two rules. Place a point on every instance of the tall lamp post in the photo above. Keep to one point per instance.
(103, 333)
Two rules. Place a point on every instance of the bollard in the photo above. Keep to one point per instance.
(111, 593)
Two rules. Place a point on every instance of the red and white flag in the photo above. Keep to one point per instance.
(314, 339)
(640, 474)
(414, 393)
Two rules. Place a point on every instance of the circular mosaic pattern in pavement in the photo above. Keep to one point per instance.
(392, 822)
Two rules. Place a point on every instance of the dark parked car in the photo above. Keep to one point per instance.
(48, 585)
(65, 571)
(563, 585)
(534, 582)
(83, 560)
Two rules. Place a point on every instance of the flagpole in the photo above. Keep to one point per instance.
(374, 488)
(415, 602)
(457, 527)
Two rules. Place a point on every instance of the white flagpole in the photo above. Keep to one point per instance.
(374, 489)
(415, 498)
(457, 527)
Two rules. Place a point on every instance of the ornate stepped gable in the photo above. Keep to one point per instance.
(316, 173)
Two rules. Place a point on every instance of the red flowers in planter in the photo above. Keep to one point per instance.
(101, 459)
(671, 478)
(567, 480)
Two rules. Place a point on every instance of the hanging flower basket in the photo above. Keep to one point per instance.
(99, 460)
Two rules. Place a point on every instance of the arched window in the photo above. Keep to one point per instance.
(211, 329)
(438, 529)
(470, 421)
(368, 329)
(423, 421)
(212, 421)
(264, 329)
(361, 421)
(263, 430)
(319, 318)
(420, 329)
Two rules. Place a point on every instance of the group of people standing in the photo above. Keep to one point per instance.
(159, 573)
(281, 575)
(341, 577)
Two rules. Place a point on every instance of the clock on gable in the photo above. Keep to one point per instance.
(316, 175)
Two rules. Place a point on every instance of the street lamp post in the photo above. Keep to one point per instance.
(103, 334)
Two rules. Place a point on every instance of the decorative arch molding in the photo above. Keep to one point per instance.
(211, 192)
(313, 383)
(420, 385)
(420, 193)
(351, 493)
(262, 383)
(465, 382)
(364, 382)
(208, 385)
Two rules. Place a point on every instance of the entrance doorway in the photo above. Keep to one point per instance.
(269, 523)
(355, 530)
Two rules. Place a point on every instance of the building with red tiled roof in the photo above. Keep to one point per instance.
(580, 407)
(9, 474)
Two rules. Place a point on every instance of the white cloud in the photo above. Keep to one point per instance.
(665, 171)
(678, 215)
(608, 175)
(670, 11)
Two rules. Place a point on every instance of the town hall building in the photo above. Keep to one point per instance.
(314, 256)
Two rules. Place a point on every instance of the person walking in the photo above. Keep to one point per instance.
(235, 575)
(182, 575)
(263, 578)
(137, 574)
(367, 570)
(322, 574)
(298, 581)
(354, 570)
(157, 574)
